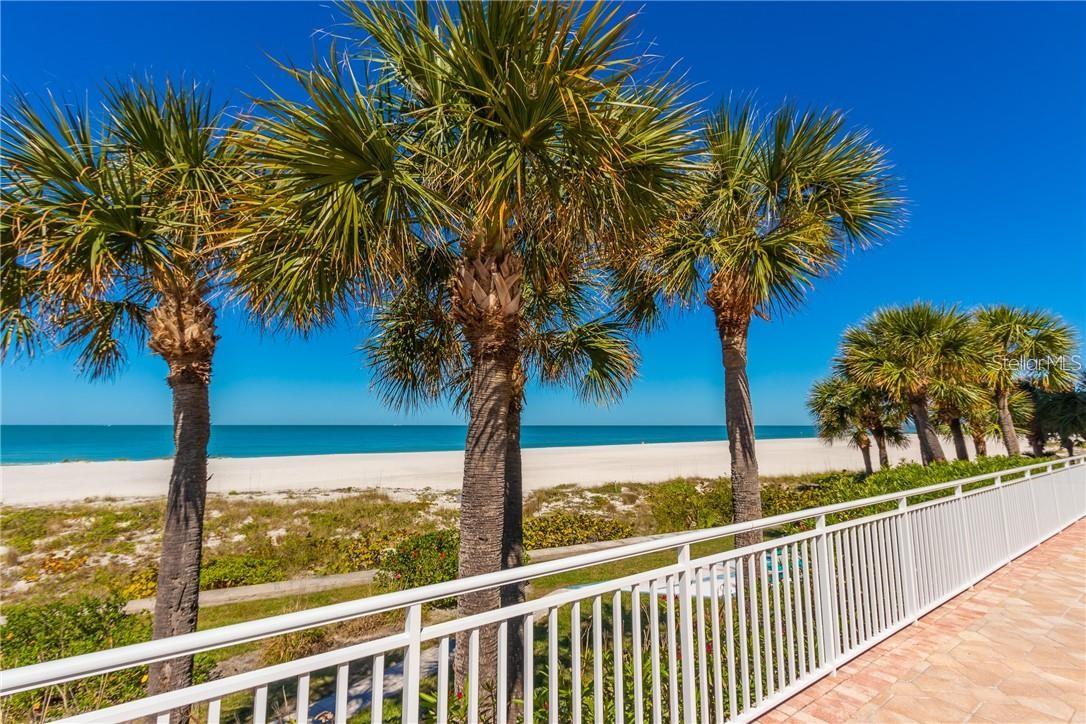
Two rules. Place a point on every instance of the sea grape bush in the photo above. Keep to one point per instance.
(420, 560)
(565, 528)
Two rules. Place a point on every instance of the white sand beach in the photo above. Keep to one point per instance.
(543, 467)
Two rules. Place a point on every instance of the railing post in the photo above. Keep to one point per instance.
(1033, 504)
(828, 630)
(964, 539)
(412, 664)
(1006, 524)
(908, 563)
(686, 641)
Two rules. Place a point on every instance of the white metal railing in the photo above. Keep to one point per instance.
(724, 636)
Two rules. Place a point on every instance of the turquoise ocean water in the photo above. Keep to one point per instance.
(56, 443)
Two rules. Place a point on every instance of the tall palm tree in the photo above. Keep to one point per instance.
(914, 354)
(116, 222)
(846, 410)
(419, 355)
(1023, 344)
(784, 197)
(481, 122)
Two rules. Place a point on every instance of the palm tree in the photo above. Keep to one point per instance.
(846, 410)
(114, 224)
(419, 355)
(1063, 414)
(783, 198)
(981, 418)
(914, 354)
(481, 123)
(1023, 344)
(833, 404)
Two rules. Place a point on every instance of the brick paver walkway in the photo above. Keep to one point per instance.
(1013, 649)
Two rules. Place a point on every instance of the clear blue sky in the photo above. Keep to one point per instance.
(983, 106)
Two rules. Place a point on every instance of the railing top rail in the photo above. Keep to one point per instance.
(101, 662)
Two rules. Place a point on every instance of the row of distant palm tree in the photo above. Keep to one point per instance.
(510, 194)
(982, 373)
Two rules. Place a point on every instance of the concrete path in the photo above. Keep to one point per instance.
(1013, 649)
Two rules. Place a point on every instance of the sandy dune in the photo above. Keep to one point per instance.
(543, 467)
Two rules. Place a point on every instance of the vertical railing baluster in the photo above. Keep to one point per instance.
(778, 624)
(686, 631)
(767, 622)
(637, 654)
(528, 676)
(260, 705)
(575, 660)
(443, 680)
(654, 650)
(789, 622)
(473, 675)
(597, 659)
(755, 634)
(714, 611)
(501, 708)
(814, 630)
(412, 664)
(342, 683)
(619, 691)
(214, 710)
(673, 654)
(377, 693)
(552, 665)
(741, 594)
(702, 675)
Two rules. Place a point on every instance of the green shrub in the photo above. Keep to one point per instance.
(36, 633)
(690, 503)
(564, 528)
(346, 555)
(420, 560)
(230, 571)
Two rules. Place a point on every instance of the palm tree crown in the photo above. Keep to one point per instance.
(914, 354)
(488, 132)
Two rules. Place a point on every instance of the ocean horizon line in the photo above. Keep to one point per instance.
(43, 444)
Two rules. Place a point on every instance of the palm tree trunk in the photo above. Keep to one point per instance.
(1068, 445)
(865, 450)
(1036, 436)
(739, 414)
(1006, 423)
(487, 307)
(177, 597)
(879, 433)
(980, 444)
(513, 551)
(931, 450)
(482, 506)
(956, 432)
